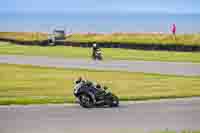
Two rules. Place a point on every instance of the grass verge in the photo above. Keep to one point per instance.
(25, 84)
(122, 54)
(132, 38)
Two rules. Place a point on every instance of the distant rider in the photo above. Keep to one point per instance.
(95, 48)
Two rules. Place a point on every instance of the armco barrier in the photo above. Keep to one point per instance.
(164, 47)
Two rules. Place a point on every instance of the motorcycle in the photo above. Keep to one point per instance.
(89, 96)
(97, 55)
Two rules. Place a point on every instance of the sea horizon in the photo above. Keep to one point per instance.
(99, 22)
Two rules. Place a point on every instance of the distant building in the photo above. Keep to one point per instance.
(58, 37)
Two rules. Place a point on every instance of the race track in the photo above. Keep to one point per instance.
(136, 117)
(128, 118)
(173, 68)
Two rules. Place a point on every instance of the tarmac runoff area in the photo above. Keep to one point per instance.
(171, 68)
(129, 117)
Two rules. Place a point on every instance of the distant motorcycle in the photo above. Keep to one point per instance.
(97, 55)
(89, 96)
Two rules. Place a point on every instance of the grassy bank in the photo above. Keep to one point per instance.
(122, 54)
(22, 84)
(132, 38)
(24, 36)
(138, 38)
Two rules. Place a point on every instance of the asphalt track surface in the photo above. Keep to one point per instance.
(172, 68)
(139, 117)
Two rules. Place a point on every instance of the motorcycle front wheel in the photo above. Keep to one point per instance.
(86, 101)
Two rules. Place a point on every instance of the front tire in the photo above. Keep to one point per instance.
(86, 101)
(114, 101)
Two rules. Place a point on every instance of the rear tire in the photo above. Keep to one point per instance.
(86, 100)
(100, 58)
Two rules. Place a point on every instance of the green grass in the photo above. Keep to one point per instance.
(23, 84)
(122, 54)
(139, 38)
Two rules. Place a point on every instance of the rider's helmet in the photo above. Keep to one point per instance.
(98, 86)
(94, 45)
(78, 80)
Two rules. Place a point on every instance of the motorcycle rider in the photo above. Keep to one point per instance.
(90, 94)
(80, 82)
(95, 48)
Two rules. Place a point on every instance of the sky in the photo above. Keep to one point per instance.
(167, 6)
